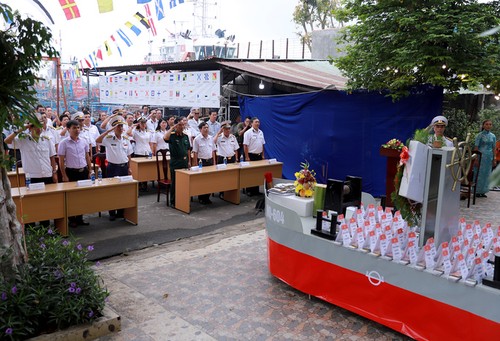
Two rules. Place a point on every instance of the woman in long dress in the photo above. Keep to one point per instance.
(485, 143)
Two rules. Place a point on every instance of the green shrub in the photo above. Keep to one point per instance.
(459, 124)
(55, 289)
(494, 116)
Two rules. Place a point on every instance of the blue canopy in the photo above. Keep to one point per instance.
(340, 133)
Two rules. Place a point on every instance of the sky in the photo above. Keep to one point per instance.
(248, 20)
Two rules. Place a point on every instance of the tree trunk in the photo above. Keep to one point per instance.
(12, 252)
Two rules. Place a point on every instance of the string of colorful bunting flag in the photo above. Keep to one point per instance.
(147, 20)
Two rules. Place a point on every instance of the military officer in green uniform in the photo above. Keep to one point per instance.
(180, 152)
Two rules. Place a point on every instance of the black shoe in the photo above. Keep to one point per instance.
(112, 218)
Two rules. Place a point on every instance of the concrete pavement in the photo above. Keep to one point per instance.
(216, 286)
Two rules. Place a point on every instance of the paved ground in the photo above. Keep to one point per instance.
(216, 285)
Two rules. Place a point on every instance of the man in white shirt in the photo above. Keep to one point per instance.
(152, 122)
(204, 150)
(91, 130)
(194, 121)
(213, 125)
(227, 145)
(118, 152)
(253, 145)
(37, 155)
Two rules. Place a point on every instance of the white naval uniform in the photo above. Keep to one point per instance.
(141, 138)
(227, 146)
(117, 150)
(255, 141)
(157, 138)
(204, 146)
(35, 156)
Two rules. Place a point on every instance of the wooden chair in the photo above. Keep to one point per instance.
(162, 171)
(466, 189)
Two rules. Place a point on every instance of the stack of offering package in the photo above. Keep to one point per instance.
(466, 257)
(283, 189)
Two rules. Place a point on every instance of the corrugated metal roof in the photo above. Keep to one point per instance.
(314, 74)
(304, 74)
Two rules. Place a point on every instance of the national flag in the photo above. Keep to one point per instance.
(125, 38)
(105, 6)
(134, 28)
(150, 19)
(107, 48)
(143, 1)
(70, 9)
(117, 46)
(142, 20)
(160, 13)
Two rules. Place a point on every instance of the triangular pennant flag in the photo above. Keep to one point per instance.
(99, 54)
(117, 46)
(77, 70)
(107, 48)
(142, 20)
(70, 9)
(134, 28)
(150, 20)
(105, 6)
(160, 13)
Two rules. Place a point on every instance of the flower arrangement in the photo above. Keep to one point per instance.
(393, 144)
(410, 211)
(305, 181)
(56, 289)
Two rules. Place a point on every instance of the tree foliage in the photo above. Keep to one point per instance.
(23, 44)
(317, 14)
(398, 44)
(22, 47)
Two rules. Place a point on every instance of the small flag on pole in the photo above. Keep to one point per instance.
(124, 37)
(142, 20)
(117, 46)
(107, 48)
(150, 20)
(105, 6)
(70, 9)
(160, 13)
(134, 28)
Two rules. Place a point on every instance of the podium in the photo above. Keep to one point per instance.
(441, 206)
(392, 168)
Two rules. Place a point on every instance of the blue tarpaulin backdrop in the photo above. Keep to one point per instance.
(338, 133)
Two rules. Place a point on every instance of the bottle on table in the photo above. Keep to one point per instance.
(92, 177)
(99, 175)
(200, 164)
(225, 160)
(27, 180)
